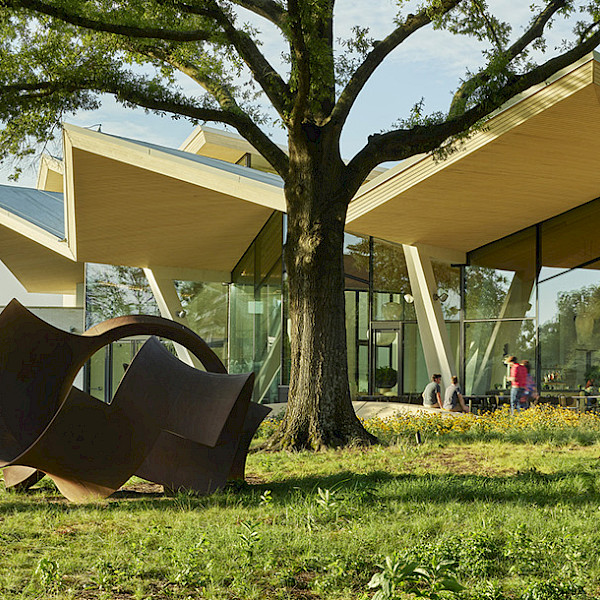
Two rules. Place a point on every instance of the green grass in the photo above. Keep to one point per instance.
(520, 520)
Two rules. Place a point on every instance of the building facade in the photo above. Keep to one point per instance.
(450, 266)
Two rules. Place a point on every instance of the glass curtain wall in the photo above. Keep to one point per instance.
(569, 302)
(448, 281)
(385, 354)
(113, 291)
(500, 310)
(357, 276)
(256, 302)
(536, 294)
(205, 306)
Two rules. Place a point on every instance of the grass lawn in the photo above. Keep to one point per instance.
(519, 518)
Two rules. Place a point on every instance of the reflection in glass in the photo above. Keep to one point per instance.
(242, 306)
(447, 279)
(357, 340)
(487, 345)
(453, 329)
(205, 305)
(415, 372)
(115, 291)
(267, 335)
(386, 348)
(255, 342)
(356, 261)
(392, 307)
(569, 331)
(106, 367)
(96, 370)
(500, 278)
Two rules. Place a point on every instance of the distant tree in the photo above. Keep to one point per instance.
(205, 305)
(57, 56)
(486, 292)
(572, 332)
(113, 291)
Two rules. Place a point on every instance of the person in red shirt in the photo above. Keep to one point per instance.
(518, 381)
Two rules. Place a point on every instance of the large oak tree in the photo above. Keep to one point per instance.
(60, 56)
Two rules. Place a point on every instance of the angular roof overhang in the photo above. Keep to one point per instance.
(32, 243)
(142, 205)
(537, 157)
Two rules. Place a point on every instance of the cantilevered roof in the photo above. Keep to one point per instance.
(144, 205)
(32, 240)
(536, 158)
(50, 174)
(224, 145)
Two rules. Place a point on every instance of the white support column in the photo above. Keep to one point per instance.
(163, 287)
(432, 328)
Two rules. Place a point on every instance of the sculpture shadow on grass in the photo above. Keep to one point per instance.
(168, 422)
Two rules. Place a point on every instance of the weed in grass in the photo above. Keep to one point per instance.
(192, 565)
(329, 578)
(266, 498)
(249, 538)
(422, 582)
(48, 574)
(108, 576)
(326, 500)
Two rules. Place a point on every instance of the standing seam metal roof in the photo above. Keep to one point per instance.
(44, 209)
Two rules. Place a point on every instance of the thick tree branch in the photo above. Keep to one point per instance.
(217, 89)
(264, 73)
(267, 9)
(401, 144)
(301, 63)
(267, 77)
(534, 32)
(196, 35)
(232, 115)
(25, 93)
(380, 51)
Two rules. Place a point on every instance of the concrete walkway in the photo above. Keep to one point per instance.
(367, 409)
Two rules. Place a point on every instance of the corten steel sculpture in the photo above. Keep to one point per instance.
(168, 422)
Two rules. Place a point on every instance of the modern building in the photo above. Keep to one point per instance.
(451, 265)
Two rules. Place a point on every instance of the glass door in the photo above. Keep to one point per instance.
(386, 358)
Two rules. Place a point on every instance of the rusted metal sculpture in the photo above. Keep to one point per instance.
(168, 422)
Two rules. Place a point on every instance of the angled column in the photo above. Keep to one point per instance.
(432, 328)
(163, 287)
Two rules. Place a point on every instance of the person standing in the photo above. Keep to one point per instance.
(432, 397)
(518, 382)
(530, 394)
(453, 398)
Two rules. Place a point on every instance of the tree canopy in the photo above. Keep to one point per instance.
(58, 56)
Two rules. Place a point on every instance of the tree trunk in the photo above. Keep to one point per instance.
(319, 412)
